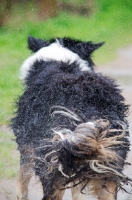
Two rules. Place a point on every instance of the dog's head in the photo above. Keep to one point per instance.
(63, 50)
(83, 49)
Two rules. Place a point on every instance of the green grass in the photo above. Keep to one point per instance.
(112, 25)
(9, 159)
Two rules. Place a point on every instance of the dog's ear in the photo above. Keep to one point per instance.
(90, 47)
(35, 44)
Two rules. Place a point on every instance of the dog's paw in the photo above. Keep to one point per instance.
(22, 197)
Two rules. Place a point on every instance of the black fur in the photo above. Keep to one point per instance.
(90, 95)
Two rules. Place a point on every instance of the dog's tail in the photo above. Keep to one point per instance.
(94, 141)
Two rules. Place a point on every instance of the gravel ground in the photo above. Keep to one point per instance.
(121, 70)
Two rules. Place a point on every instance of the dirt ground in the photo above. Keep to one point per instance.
(121, 70)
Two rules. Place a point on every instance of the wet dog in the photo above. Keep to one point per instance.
(70, 124)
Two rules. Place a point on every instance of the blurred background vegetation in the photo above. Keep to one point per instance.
(94, 20)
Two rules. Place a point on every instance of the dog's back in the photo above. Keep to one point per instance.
(70, 124)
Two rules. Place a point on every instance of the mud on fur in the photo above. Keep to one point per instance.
(70, 124)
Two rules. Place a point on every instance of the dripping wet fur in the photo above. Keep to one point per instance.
(71, 123)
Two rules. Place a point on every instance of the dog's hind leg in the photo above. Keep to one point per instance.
(57, 195)
(23, 181)
(24, 177)
(60, 194)
(107, 191)
(76, 193)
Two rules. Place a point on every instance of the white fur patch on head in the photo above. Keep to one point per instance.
(53, 52)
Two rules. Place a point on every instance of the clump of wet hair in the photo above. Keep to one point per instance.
(84, 153)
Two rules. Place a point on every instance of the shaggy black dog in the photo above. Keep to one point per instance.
(70, 124)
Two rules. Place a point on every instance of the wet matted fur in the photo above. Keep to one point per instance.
(70, 124)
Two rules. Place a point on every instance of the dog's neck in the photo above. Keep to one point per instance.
(53, 52)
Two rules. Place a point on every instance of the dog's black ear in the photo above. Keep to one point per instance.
(92, 47)
(35, 44)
